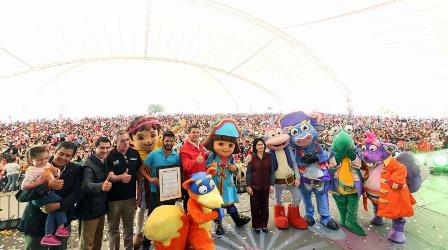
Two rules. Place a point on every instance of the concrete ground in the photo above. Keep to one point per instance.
(428, 229)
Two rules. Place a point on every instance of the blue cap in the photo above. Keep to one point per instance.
(228, 128)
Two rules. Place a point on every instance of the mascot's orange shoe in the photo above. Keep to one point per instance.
(294, 218)
(280, 220)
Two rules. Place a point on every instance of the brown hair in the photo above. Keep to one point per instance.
(212, 138)
(133, 127)
(35, 151)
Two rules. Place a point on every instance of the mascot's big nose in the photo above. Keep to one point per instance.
(365, 155)
(304, 141)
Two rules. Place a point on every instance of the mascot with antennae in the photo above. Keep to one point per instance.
(313, 167)
(388, 184)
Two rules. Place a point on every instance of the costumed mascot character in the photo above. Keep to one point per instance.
(287, 177)
(347, 179)
(145, 134)
(223, 142)
(171, 229)
(388, 184)
(312, 161)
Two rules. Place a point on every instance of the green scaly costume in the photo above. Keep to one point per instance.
(347, 182)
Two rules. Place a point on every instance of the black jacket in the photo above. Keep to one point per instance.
(33, 219)
(94, 203)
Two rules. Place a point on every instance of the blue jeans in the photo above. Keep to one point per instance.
(12, 182)
(321, 195)
(57, 218)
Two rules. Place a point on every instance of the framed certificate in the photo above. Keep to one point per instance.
(170, 181)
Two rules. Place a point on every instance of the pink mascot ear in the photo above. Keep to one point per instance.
(211, 171)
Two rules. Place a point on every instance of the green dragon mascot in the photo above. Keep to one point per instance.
(347, 179)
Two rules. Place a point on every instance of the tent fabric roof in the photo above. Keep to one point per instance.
(291, 54)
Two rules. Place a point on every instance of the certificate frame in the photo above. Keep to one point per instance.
(170, 183)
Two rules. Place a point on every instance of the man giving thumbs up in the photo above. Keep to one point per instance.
(123, 163)
(95, 184)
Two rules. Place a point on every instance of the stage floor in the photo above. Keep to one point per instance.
(428, 229)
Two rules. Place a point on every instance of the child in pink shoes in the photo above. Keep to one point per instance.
(37, 174)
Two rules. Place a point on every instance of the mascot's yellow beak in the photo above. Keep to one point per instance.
(211, 200)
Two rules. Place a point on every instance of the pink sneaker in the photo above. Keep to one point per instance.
(50, 240)
(62, 232)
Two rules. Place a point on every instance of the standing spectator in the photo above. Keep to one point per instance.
(192, 156)
(164, 156)
(40, 172)
(124, 162)
(12, 169)
(260, 182)
(68, 187)
(93, 206)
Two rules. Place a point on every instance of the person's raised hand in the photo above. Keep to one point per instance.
(107, 185)
(126, 177)
(199, 159)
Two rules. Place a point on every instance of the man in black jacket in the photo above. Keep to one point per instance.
(93, 206)
(68, 187)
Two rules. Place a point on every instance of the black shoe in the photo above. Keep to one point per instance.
(265, 230)
(257, 230)
(219, 229)
(240, 220)
(310, 220)
(332, 225)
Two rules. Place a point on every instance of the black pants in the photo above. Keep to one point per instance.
(259, 208)
(185, 197)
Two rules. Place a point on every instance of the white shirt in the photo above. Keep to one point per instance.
(12, 168)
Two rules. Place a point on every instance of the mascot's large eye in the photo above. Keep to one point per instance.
(294, 131)
(202, 189)
(334, 130)
(278, 131)
(305, 127)
(373, 148)
(212, 184)
(363, 148)
(270, 133)
(348, 129)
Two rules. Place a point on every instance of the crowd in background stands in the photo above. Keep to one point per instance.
(407, 134)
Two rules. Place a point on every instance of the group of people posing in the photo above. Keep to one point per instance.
(120, 174)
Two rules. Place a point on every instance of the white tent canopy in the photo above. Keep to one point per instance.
(91, 58)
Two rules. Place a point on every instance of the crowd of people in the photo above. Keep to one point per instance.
(17, 137)
(111, 166)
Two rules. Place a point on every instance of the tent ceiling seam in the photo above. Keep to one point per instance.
(256, 52)
(16, 57)
(147, 28)
(157, 59)
(349, 13)
(223, 86)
